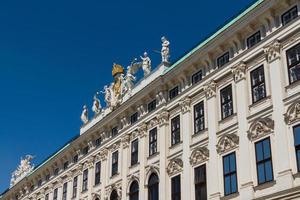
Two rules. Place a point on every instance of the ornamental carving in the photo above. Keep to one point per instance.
(153, 122)
(131, 178)
(260, 127)
(142, 130)
(293, 113)
(117, 187)
(199, 155)
(134, 134)
(163, 117)
(227, 142)
(126, 141)
(103, 154)
(210, 89)
(273, 51)
(149, 170)
(185, 104)
(175, 166)
(96, 195)
(23, 170)
(239, 71)
(115, 146)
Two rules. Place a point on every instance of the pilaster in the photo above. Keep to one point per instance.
(124, 164)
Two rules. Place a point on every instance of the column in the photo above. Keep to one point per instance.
(163, 119)
(213, 190)
(104, 172)
(142, 157)
(283, 177)
(91, 177)
(124, 164)
(244, 173)
(186, 138)
(70, 185)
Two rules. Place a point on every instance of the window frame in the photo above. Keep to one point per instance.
(65, 191)
(254, 36)
(151, 106)
(174, 92)
(75, 187)
(289, 12)
(225, 102)
(257, 85)
(200, 184)
(230, 174)
(197, 80)
(153, 143)
(175, 195)
(114, 131)
(134, 118)
(114, 165)
(289, 66)
(85, 176)
(297, 146)
(98, 173)
(225, 58)
(55, 194)
(199, 118)
(175, 133)
(134, 152)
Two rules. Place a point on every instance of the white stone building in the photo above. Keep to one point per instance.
(223, 122)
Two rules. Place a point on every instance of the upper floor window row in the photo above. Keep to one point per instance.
(222, 60)
(293, 62)
(173, 92)
(254, 39)
(197, 77)
(226, 102)
(289, 15)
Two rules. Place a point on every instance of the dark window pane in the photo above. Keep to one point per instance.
(134, 118)
(176, 188)
(253, 39)
(175, 130)
(152, 106)
(230, 174)
(199, 117)
(290, 15)
(258, 84)
(153, 141)
(134, 152)
(226, 102)
(222, 60)
(115, 158)
(173, 93)
(293, 59)
(197, 77)
(297, 135)
(114, 131)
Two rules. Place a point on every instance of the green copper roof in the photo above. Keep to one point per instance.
(252, 7)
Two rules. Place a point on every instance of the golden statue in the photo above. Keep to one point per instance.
(117, 72)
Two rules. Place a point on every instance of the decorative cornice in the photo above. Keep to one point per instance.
(199, 155)
(185, 104)
(210, 89)
(239, 71)
(260, 127)
(292, 114)
(272, 51)
(175, 166)
(227, 142)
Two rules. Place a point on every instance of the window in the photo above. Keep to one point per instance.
(258, 85)
(66, 165)
(47, 178)
(75, 159)
(152, 141)
(197, 77)
(175, 130)
(229, 173)
(114, 167)
(289, 16)
(222, 60)
(153, 184)
(264, 161)
(200, 183)
(152, 106)
(56, 171)
(85, 150)
(85, 180)
(97, 173)
(40, 181)
(47, 197)
(134, 152)
(297, 145)
(175, 188)
(173, 93)
(114, 131)
(226, 102)
(199, 117)
(134, 191)
(75, 180)
(65, 188)
(253, 39)
(114, 195)
(293, 60)
(98, 142)
(55, 194)
(134, 118)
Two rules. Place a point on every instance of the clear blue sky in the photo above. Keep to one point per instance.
(55, 54)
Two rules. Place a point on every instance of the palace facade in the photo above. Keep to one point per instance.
(223, 122)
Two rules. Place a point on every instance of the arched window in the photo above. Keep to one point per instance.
(153, 187)
(114, 195)
(134, 191)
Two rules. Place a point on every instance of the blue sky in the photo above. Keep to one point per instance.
(54, 55)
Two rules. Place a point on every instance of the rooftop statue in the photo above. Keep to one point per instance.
(165, 51)
(146, 64)
(129, 79)
(22, 171)
(84, 115)
(97, 108)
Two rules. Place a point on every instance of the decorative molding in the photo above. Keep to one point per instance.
(239, 71)
(142, 129)
(227, 142)
(115, 186)
(210, 89)
(103, 154)
(272, 51)
(175, 166)
(130, 179)
(115, 146)
(96, 195)
(153, 122)
(199, 155)
(260, 127)
(185, 104)
(134, 134)
(163, 117)
(125, 141)
(292, 114)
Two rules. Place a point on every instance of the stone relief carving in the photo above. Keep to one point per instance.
(210, 89)
(115, 146)
(142, 130)
(103, 154)
(199, 155)
(96, 195)
(153, 122)
(239, 71)
(23, 170)
(163, 117)
(273, 51)
(185, 104)
(126, 141)
(260, 127)
(115, 186)
(292, 114)
(175, 166)
(227, 142)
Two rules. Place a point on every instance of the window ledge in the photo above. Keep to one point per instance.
(264, 186)
(297, 175)
(134, 165)
(175, 145)
(97, 185)
(200, 132)
(292, 85)
(231, 196)
(115, 175)
(226, 119)
(259, 102)
(153, 155)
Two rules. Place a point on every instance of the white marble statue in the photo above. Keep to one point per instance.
(97, 108)
(128, 81)
(23, 169)
(165, 50)
(84, 115)
(146, 64)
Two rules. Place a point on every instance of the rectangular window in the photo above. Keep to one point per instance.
(297, 145)
(230, 175)
(47, 178)
(289, 16)
(176, 188)
(97, 173)
(134, 152)
(75, 159)
(222, 60)
(293, 60)
(134, 118)
(174, 92)
(85, 180)
(253, 39)
(199, 117)
(258, 85)
(40, 182)
(75, 182)
(152, 106)
(197, 77)
(264, 161)
(47, 197)
(175, 130)
(226, 102)
(66, 165)
(114, 131)
(200, 183)
(85, 150)
(65, 190)
(55, 194)
(98, 142)
(115, 157)
(152, 141)
(56, 171)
